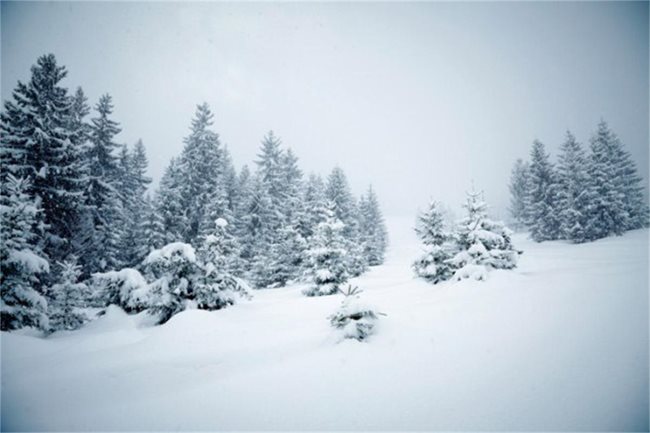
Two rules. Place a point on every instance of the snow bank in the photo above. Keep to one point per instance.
(175, 248)
(560, 343)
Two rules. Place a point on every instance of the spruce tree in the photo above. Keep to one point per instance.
(434, 264)
(481, 243)
(608, 213)
(313, 203)
(169, 203)
(518, 191)
(133, 190)
(102, 195)
(346, 210)
(154, 226)
(573, 181)
(542, 213)
(41, 144)
(203, 194)
(22, 262)
(328, 256)
(372, 229)
(68, 298)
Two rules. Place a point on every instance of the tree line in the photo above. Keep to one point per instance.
(78, 220)
(586, 196)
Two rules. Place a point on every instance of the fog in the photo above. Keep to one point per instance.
(418, 99)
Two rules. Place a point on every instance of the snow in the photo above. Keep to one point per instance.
(180, 248)
(220, 222)
(559, 343)
(29, 260)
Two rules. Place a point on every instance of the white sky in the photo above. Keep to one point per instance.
(418, 99)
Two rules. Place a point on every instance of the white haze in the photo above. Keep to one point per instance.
(419, 99)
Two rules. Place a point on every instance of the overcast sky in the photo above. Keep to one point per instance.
(418, 99)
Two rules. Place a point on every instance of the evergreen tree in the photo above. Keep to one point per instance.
(572, 196)
(328, 256)
(543, 217)
(21, 259)
(608, 213)
(134, 188)
(68, 298)
(231, 184)
(346, 210)
(627, 180)
(103, 193)
(269, 169)
(313, 203)
(218, 287)
(203, 194)
(169, 203)
(40, 145)
(518, 191)
(372, 229)
(244, 197)
(260, 224)
(154, 226)
(481, 243)
(434, 264)
(354, 319)
(287, 253)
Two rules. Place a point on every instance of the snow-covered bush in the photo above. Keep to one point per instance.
(481, 242)
(328, 257)
(126, 288)
(354, 319)
(433, 265)
(68, 298)
(174, 270)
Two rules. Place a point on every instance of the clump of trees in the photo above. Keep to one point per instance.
(588, 195)
(469, 250)
(72, 195)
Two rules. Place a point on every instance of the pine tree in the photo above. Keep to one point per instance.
(372, 229)
(21, 259)
(41, 145)
(103, 193)
(244, 196)
(627, 181)
(68, 298)
(269, 169)
(153, 227)
(518, 191)
(203, 195)
(481, 243)
(354, 319)
(328, 256)
(346, 210)
(133, 190)
(313, 203)
(572, 195)
(608, 212)
(542, 213)
(218, 287)
(287, 254)
(169, 204)
(434, 264)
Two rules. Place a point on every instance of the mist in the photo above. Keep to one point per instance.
(421, 100)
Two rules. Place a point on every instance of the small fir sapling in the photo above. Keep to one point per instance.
(354, 319)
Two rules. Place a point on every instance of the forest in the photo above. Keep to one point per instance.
(81, 229)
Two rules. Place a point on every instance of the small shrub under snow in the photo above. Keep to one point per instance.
(354, 319)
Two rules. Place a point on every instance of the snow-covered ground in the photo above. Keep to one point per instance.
(560, 343)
